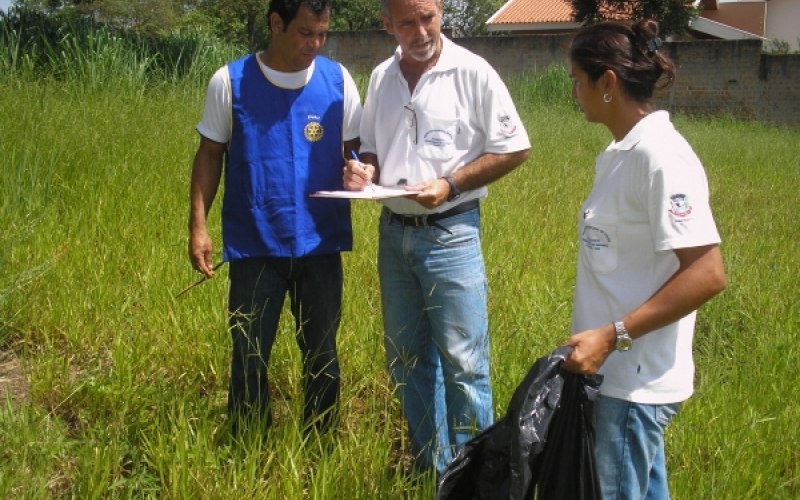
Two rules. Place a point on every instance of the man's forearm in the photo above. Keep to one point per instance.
(487, 168)
(206, 175)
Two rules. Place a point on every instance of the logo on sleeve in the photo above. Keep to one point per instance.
(507, 127)
(680, 206)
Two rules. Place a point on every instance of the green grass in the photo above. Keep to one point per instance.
(128, 384)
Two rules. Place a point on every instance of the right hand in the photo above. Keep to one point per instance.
(200, 252)
(357, 175)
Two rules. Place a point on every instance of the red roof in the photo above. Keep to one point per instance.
(535, 11)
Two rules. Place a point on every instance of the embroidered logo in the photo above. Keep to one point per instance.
(680, 205)
(438, 138)
(595, 238)
(507, 127)
(313, 131)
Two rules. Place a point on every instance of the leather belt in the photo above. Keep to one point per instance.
(432, 219)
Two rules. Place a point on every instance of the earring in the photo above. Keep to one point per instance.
(606, 98)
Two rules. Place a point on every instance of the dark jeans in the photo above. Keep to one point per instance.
(257, 291)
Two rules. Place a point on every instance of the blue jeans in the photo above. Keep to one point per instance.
(629, 449)
(257, 290)
(433, 293)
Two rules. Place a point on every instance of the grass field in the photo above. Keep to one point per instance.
(124, 386)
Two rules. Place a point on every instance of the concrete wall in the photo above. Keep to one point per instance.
(783, 21)
(714, 76)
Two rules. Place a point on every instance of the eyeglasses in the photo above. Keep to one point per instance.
(409, 107)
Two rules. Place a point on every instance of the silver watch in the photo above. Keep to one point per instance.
(624, 341)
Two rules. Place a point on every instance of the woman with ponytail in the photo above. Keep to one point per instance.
(648, 256)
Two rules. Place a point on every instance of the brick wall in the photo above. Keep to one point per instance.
(714, 76)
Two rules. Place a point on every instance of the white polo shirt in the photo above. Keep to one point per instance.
(460, 110)
(216, 121)
(650, 196)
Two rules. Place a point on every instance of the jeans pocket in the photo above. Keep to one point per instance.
(664, 413)
(456, 231)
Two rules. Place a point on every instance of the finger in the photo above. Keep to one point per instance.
(208, 265)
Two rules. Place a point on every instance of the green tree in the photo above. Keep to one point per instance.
(142, 16)
(356, 15)
(242, 22)
(673, 16)
(468, 17)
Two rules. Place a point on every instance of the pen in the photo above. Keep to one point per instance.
(355, 157)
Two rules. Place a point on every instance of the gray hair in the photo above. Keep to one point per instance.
(385, 7)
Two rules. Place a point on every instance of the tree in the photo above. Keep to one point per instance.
(468, 17)
(673, 16)
(242, 22)
(141, 16)
(356, 15)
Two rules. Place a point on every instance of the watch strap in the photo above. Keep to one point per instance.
(454, 191)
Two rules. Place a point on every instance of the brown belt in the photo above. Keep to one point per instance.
(432, 219)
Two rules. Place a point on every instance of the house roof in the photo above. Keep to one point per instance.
(729, 20)
(533, 11)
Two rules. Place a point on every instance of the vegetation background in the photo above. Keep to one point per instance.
(118, 388)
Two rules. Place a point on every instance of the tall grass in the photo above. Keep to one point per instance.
(86, 57)
(128, 383)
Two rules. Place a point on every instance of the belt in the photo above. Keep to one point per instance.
(432, 219)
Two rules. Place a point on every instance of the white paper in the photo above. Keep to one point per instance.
(368, 193)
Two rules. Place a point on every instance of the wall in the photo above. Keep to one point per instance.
(714, 76)
(783, 21)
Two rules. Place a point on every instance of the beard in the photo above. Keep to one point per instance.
(430, 49)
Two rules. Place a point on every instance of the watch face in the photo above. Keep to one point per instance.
(624, 343)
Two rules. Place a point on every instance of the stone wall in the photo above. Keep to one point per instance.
(714, 76)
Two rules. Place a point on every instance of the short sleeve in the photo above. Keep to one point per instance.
(352, 108)
(679, 208)
(505, 132)
(216, 121)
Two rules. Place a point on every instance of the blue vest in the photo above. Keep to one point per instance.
(285, 144)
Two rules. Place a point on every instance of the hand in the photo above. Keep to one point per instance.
(200, 251)
(357, 175)
(592, 347)
(433, 194)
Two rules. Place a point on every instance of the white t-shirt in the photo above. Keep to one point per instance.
(650, 196)
(216, 121)
(460, 110)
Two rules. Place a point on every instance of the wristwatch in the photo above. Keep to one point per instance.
(624, 341)
(454, 192)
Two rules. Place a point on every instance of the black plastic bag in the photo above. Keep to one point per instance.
(543, 446)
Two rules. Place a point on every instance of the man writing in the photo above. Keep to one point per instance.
(282, 119)
(438, 119)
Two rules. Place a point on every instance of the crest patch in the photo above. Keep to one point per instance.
(507, 127)
(680, 205)
(313, 131)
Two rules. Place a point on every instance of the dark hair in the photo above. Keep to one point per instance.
(631, 52)
(287, 9)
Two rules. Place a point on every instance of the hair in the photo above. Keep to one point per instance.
(385, 7)
(287, 9)
(631, 52)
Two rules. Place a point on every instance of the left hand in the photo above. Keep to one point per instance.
(592, 347)
(433, 194)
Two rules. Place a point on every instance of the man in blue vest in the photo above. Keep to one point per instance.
(283, 120)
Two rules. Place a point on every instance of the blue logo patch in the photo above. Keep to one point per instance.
(438, 138)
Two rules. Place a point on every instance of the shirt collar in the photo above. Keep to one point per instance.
(447, 58)
(651, 124)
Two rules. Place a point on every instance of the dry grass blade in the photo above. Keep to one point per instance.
(199, 281)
